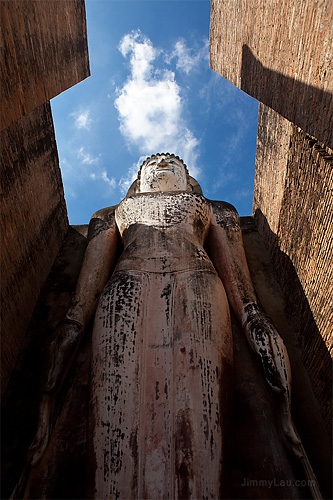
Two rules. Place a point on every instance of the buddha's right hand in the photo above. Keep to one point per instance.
(61, 352)
(39, 444)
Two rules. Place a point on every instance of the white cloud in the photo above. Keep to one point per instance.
(89, 168)
(126, 181)
(103, 176)
(216, 96)
(82, 119)
(67, 171)
(150, 105)
(86, 157)
(227, 173)
(70, 192)
(142, 53)
(244, 193)
(188, 59)
(225, 177)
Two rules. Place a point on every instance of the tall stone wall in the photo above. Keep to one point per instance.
(293, 200)
(271, 163)
(279, 53)
(44, 52)
(33, 222)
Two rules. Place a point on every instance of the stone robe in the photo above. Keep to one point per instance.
(161, 356)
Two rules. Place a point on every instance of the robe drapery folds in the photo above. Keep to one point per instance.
(161, 360)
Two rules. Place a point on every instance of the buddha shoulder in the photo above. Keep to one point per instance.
(225, 215)
(101, 220)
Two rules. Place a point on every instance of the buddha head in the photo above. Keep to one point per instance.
(163, 172)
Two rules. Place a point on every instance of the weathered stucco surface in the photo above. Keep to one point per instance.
(161, 356)
(45, 51)
(293, 203)
(33, 223)
(21, 400)
(271, 163)
(279, 53)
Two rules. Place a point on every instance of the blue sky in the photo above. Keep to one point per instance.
(151, 90)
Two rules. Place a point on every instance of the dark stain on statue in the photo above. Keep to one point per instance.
(166, 389)
(206, 429)
(116, 451)
(157, 391)
(166, 292)
(199, 226)
(212, 445)
(106, 466)
(184, 455)
(133, 442)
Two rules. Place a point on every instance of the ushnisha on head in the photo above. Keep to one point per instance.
(163, 172)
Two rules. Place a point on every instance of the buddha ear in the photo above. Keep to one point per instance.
(194, 186)
(134, 188)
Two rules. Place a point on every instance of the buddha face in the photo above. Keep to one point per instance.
(163, 173)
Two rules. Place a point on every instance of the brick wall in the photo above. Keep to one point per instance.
(279, 53)
(293, 201)
(33, 223)
(45, 52)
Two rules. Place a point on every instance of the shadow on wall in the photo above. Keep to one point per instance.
(315, 355)
(308, 107)
(305, 406)
(21, 400)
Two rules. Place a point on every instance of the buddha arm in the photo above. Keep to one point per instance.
(225, 246)
(96, 268)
